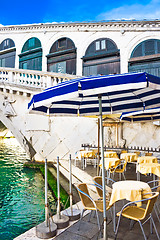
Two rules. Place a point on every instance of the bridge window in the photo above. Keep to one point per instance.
(62, 43)
(7, 43)
(31, 43)
(101, 57)
(100, 45)
(31, 55)
(146, 57)
(62, 57)
(7, 53)
(2, 62)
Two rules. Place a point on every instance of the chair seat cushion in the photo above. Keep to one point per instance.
(99, 204)
(133, 212)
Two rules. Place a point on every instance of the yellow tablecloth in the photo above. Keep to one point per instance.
(129, 190)
(147, 159)
(145, 168)
(129, 157)
(85, 154)
(110, 163)
(110, 154)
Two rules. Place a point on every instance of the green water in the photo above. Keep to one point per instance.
(21, 192)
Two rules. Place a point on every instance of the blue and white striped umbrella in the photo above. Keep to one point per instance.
(141, 116)
(120, 93)
(96, 95)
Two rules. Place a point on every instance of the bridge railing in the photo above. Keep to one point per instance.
(30, 78)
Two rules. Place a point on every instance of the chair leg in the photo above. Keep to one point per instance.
(109, 174)
(142, 230)
(81, 219)
(90, 216)
(156, 212)
(151, 227)
(157, 206)
(85, 162)
(94, 214)
(117, 227)
(114, 218)
(98, 220)
(124, 176)
(155, 227)
(131, 224)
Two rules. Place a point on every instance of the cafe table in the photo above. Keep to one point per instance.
(110, 154)
(83, 155)
(145, 168)
(130, 190)
(110, 163)
(147, 159)
(129, 157)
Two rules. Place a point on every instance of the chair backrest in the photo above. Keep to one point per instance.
(84, 195)
(148, 154)
(95, 150)
(150, 203)
(98, 180)
(123, 151)
(154, 185)
(124, 165)
(137, 152)
(119, 165)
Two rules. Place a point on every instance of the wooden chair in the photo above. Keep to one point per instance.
(139, 214)
(155, 186)
(124, 151)
(148, 154)
(98, 183)
(89, 203)
(138, 153)
(120, 168)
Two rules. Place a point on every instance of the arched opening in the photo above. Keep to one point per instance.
(62, 57)
(146, 57)
(102, 57)
(31, 55)
(7, 53)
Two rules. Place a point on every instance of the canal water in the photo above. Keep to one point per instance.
(21, 192)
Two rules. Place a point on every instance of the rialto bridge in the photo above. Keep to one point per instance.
(42, 136)
(36, 56)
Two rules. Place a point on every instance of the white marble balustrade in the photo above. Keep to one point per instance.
(30, 78)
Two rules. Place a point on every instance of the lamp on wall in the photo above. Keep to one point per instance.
(122, 31)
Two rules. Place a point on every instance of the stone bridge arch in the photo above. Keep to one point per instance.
(40, 136)
(10, 115)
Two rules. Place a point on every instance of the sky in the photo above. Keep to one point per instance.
(47, 11)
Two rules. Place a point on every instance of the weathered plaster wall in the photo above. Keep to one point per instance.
(141, 134)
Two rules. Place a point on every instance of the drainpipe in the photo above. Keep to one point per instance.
(122, 140)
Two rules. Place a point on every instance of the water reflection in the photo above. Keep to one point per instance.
(21, 192)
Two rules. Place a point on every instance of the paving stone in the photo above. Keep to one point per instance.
(87, 229)
(71, 236)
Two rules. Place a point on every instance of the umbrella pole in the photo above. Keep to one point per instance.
(98, 154)
(70, 183)
(46, 200)
(105, 237)
(58, 190)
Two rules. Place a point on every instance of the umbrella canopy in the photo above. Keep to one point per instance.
(121, 93)
(96, 95)
(141, 116)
